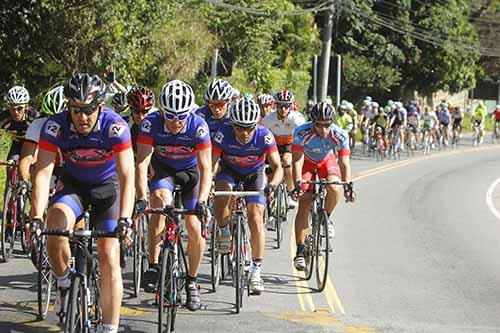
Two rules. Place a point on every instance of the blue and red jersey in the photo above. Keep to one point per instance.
(213, 124)
(90, 159)
(177, 151)
(247, 158)
(317, 149)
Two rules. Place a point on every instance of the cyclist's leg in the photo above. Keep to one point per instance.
(223, 182)
(105, 213)
(161, 195)
(302, 217)
(286, 159)
(255, 208)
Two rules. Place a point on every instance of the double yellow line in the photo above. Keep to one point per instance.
(303, 289)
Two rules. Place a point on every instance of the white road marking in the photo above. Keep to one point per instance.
(489, 198)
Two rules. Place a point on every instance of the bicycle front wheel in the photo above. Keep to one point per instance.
(167, 293)
(138, 255)
(46, 281)
(322, 251)
(215, 257)
(281, 213)
(75, 322)
(8, 234)
(238, 266)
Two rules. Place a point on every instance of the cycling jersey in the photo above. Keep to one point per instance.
(34, 130)
(480, 112)
(444, 117)
(413, 119)
(345, 122)
(381, 120)
(370, 114)
(177, 151)
(429, 120)
(246, 158)
(283, 129)
(318, 149)
(90, 159)
(497, 115)
(213, 124)
(457, 114)
(16, 129)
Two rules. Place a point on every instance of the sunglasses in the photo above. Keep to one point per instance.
(217, 104)
(267, 105)
(323, 125)
(19, 108)
(136, 111)
(245, 128)
(284, 105)
(88, 110)
(174, 116)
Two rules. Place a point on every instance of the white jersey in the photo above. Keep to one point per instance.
(283, 129)
(34, 129)
(370, 115)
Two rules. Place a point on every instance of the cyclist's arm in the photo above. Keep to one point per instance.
(41, 181)
(205, 167)
(216, 153)
(28, 157)
(144, 153)
(297, 164)
(126, 177)
(275, 163)
(345, 168)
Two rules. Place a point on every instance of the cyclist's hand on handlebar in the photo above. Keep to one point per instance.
(36, 226)
(203, 214)
(269, 191)
(22, 187)
(140, 206)
(124, 229)
(296, 193)
(349, 194)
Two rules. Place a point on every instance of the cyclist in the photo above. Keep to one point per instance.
(444, 118)
(177, 143)
(218, 95)
(141, 101)
(398, 120)
(478, 119)
(413, 121)
(119, 102)
(430, 121)
(344, 120)
(95, 144)
(496, 117)
(282, 123)
(16, 121)
(316, 146)
(458, 117)
(267, 104)
(354, 115)
(381, 121)
(243, 147)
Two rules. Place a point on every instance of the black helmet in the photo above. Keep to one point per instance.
(85, 88)
(322, 111)
(120, 101)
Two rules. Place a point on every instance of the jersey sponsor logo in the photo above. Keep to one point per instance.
(302, 134)
(52, 128)
(146, 126)
(243, 160)
(339, 136)
(94, 155)
(219, 137)
(268, 139)
(202, 132)
(174, 152)
(116, 130)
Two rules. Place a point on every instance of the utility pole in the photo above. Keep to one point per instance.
(214, 64)
(315, 79)
(325, 54)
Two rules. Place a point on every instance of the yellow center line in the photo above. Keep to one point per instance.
(303, 290)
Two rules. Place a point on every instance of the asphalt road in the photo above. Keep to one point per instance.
(418, 252)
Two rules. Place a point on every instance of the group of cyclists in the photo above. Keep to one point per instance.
(122, 160)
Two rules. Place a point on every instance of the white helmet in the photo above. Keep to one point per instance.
(498, 106)
(218, 90)
(245, 113)
(375, 105)
(350, 106)
(18, 95)
(176, 97)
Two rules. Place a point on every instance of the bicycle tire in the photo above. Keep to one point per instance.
(279, 216)
(95, 312)
(74, 320)
(166, 293)
(6, 242)
(45, 281)
(322, 245)
(23, 202)
(215, 258)
(138, 256)
(238, 268)
(309, 252)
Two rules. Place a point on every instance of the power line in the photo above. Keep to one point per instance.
(325, 5)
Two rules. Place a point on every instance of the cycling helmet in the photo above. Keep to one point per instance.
(344, 105)
(176, 97)
(266, 99)
(367, 101)
(218, 90)
(375, 105)
(248, 96)
(119, 101)
(18, 95)
(236, 93)
(322, 111)
(141, 98)
(85, 88)
(245, 113)
(398, 105)
(54, 101)
(412, 109)
(496, 107)
(284, 96)
(350, 106)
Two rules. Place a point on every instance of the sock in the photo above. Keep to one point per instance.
(63, 281)
(300, 248)
(108, 328)
(191, 279)
(151, 265)
(257, 264)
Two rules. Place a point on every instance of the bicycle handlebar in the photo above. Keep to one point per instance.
(237, 193)
(8, 163)
(167, 210)
(325, 182)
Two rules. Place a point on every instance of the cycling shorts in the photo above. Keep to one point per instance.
(255, 181)
(285, 149)
(165, 177)
(103, 198)
(457, 122)
(325, 168)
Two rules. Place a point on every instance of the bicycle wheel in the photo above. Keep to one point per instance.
(238, 265)
(8, 227)
(309, 250)
(95, 310)
(281, 212)
(138, 255)
(167, 293)
(215, 257)
(74, 318)
(46, 281)
(23, 202)
(322, 251)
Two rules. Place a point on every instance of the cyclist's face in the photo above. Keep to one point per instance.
(175, 126)
(283, 108)
(244, 135)
(17, 111)
(84, 121)
(266, 109)
(322, 128)
(138, 115)
(218, 108)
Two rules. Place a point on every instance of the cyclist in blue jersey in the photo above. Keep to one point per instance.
(316, 146)
(141, 101)
(177, 144)
(242, 148)
(96, 148)
(119, 102)
(217, 98)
